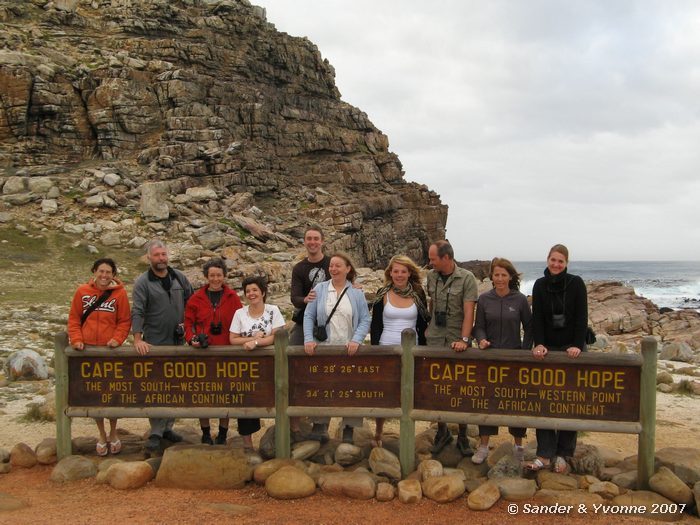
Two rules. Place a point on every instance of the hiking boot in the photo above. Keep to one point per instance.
(172, 436)
(464, 448)
(519, 453)
(480, 455)
(319, 432)
(207, 440)
(442, 439)
(348, 434)
(153, 443)
(220, 439)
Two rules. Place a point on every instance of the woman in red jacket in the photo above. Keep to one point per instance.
(100, 316)
(210, 311)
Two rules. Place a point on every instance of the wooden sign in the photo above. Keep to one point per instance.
(345, 381)
(182, 381)
(571, 391)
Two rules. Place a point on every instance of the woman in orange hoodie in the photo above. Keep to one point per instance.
(100, 316)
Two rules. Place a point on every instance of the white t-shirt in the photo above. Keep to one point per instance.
(247, 326)
(341, 330)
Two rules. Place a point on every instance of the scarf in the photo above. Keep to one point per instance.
(404, 292)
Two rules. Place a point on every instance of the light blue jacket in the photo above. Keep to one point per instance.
(360, 313)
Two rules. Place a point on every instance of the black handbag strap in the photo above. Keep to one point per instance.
(336, 306)
(94, 306)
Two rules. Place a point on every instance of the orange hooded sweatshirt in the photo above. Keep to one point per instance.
(110, 320)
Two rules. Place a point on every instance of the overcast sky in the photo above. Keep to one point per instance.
(536, 121)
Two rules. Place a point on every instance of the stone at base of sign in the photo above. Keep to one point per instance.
(72, 468)
(506, 467)
(385, 492)
(472, 470)
(410, 491)
(567, 497)
(267, 468)
(652, 502)
(290, 483)
(683, 461)
(671, 486)
(129, 475)
(443, 489)
(46, 451)
(484, 497)
(587, 460)
(22, 455)
(385, 463)
(347, 454)
(553, 481)
(517, 489)
(203, 467)
(355, 485)
(606, 489)
(430, 468)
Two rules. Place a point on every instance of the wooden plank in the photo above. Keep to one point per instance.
(170, 412)
(282, 426)
(63, 423)
(297, 411)
(474, 354)
(407, 429)
(647, 413)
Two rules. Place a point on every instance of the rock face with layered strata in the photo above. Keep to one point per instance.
(193, 93)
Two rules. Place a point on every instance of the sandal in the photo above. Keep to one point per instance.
(101, 449)
(560, 465)
(115, 447)
(377, 442)
(537, 464)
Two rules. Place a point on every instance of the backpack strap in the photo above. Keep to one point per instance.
(102, 298)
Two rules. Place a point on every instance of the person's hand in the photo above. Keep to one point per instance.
(310, 298)
(352, 347)
(79, 346)
(573, 352)
(195, 343)
(459, 346)
(484, 344)
(112, 343)
(250, 345)
(142, 347)
(309, 348)
(539, 352)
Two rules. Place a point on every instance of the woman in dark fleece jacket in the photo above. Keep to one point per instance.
(500, 313)
(560, 319)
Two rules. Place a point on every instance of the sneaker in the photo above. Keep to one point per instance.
(480, 455)
(319, 432)
(519, 453)
(441, 441)
(153, 443)
(348, 434)
(207, 440)
(172, 436)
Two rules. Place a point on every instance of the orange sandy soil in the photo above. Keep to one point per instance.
(84, 502)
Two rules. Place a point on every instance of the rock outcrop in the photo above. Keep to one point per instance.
(201, 119)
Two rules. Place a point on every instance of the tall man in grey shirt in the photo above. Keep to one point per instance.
(157, 314)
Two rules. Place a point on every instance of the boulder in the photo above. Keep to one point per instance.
(472, 471)
(666, 483)
(5, 468)
(267, 443)
(385, 492)
(290, 483)
(46, 451)
(72, 468)
(610, 457)
(203, 467)
(201, 193)
(129, 475)
(4, 455)
(305, 449)
(430, 468)
(14, 185)
(516, 489)
(267, 468)
(154, 201)
(22, 455)
(484, 497)
(651, 501)
(111, 179)
(506, 467)
(626, 480)
(684, 462)
(587, 460)
(9, 503)
(355, 485)
(606, 489)
(443, 489)
(26, 364)
(409, 491)
(696, 494)
(385, 463)
(554, 481)
(348, 454)
(567, 497)
(39, 184)
(677, 351)
(49, 206)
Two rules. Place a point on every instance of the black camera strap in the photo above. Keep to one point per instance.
(328, 320)
(101, 299)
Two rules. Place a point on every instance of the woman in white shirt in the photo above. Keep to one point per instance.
(254, 326)
(399, 304)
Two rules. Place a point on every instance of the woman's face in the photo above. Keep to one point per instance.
(103, 275)
(215, 278)
(556, 263)
(338, 268)
(399, 275)
(500, 278)
(253, 294)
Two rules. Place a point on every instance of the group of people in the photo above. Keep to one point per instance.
(331, 309)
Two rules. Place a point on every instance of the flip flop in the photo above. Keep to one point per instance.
(537, 464)
(115, 447)
(560, 465)
(101, 449)
(376, 442)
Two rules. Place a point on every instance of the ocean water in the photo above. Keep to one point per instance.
(672, 284)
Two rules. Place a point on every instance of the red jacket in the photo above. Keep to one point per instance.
(110, 320)
(200, 310)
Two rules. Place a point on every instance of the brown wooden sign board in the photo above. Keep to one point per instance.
(187, 381)
(571, 391)
(345, 381)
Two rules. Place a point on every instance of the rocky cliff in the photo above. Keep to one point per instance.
(198, 121)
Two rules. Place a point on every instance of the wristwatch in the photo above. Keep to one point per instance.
(468, 340)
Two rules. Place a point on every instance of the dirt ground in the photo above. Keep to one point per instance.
(84, 502)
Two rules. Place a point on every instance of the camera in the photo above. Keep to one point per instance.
(558, 321)
(440, 318)
(179, 334)
(202, 339)
(215, 328)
